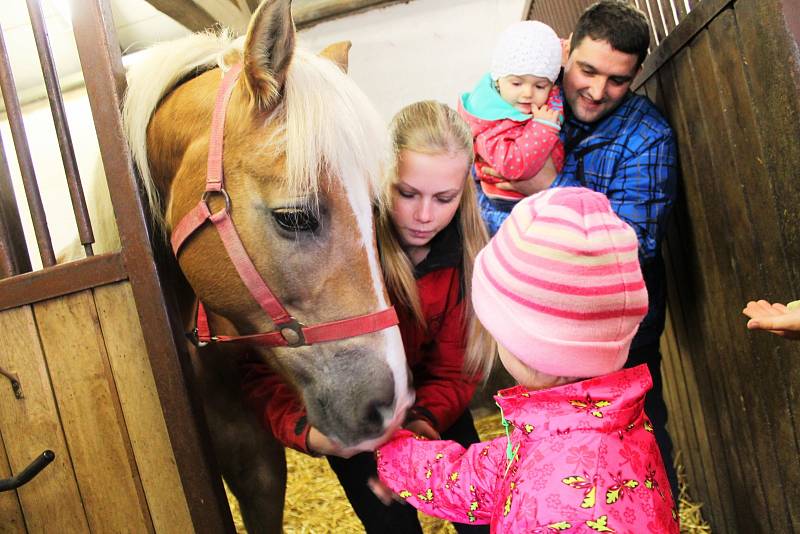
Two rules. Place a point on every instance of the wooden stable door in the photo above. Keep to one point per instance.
(88, 395)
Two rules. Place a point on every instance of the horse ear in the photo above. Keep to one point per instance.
(338, 53)
(268, 50)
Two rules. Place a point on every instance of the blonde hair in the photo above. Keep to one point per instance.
(430, 127)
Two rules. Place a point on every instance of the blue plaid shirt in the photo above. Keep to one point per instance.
(631, 157)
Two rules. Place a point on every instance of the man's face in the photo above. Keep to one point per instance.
(597, 78)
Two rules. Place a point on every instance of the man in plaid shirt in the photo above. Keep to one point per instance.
(618, 143)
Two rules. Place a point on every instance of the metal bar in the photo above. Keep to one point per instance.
(25, 476)
(62, 128)
(13, 249)
(105, 83)
(681, 8)
(655, 36)
(61, 280)
(676, 15)
(690, 26)
(7, 267)
(664, 14)
(22, 149)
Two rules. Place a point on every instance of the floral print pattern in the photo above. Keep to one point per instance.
(583, 460)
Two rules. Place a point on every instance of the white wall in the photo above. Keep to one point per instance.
(424, 49)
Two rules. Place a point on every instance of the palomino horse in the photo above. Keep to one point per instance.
(303, 150)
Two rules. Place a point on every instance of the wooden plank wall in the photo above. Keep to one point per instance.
(90, 396)
(727, 79)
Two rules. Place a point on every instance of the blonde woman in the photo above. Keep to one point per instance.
(429, 232)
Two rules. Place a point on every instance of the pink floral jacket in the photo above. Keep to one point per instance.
(584, 460)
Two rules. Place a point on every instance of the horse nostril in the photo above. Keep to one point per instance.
(379, 412)
(374, 417)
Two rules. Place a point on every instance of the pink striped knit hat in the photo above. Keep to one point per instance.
(559, 285)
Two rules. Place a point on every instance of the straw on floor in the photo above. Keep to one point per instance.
(316, 504)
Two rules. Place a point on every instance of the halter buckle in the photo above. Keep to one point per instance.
(292, 332)
(194, 338)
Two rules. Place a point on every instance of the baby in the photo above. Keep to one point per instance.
(515, 113)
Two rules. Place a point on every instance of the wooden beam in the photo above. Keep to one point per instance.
(185, 13)
(310, 12)
(231, 14)
(695, 22)
(526, 9)
(198, 15)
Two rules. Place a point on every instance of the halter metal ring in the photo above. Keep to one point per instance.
(292, 332)
(208, 193)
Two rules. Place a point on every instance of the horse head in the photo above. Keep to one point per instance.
(303, 152)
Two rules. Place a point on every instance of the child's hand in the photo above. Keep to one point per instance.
(382, 491)
(319, 443)
(546, 114)
(781, 320)
(423, 428)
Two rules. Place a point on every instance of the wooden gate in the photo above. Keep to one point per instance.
(91, 343)
(727, 78)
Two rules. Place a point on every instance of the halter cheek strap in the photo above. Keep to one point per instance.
(288, 330)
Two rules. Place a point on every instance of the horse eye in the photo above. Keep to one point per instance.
(295, 220)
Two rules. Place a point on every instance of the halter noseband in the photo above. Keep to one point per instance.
(289, 332)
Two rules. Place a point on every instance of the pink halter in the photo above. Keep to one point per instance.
(289, 331)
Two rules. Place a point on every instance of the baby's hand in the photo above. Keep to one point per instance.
(546, 114)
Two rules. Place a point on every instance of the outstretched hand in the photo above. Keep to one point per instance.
(782, 320)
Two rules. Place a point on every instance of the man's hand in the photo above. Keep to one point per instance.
(528, 187)
(782, 320)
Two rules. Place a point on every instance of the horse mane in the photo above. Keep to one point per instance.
(325, 123)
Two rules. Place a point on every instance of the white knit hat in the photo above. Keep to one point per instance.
(529, 47)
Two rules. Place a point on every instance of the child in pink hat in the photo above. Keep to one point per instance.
(560, 289)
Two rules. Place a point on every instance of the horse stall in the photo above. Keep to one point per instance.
(94, 364)
(726, 74)
(92, 368)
